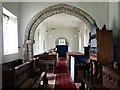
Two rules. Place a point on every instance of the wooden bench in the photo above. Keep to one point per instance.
(11, 64)
(46, 60)
(93, 77)
(111, 77)
(46, 65)
(101, 77)
(22, 76)
(46, 56)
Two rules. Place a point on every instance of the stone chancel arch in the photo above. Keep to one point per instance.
(48, 12)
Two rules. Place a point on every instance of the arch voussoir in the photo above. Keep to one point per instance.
(48, 12)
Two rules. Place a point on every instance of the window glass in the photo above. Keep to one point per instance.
(10, 32)
(62, 42)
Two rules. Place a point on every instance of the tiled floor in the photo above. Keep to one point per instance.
(51, 82)
(77, 85)
(51, 79)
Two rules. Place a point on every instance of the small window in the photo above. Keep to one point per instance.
(10, 33)
(62, 42)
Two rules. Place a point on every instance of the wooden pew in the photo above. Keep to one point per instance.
(15, 76)
(22, 76)
(93, 76)
(46, 56)
(12, 64)
(101, 77)
(111, 77)
(46, 60)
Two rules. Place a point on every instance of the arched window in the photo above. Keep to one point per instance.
(62, 41)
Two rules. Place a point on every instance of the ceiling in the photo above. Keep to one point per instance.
(62, 21)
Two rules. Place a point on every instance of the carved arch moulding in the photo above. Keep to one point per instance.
(48, 12)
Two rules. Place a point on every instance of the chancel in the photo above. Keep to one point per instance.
(60, 45)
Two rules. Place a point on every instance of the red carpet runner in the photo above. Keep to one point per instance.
(63, 79)
(62, 67)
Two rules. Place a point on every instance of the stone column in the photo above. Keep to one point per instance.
(28, 51)
(25, 50)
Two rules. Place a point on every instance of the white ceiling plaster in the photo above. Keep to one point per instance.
(62, 21)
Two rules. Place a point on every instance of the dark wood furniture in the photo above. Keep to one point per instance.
(101, 46)
(12, 64)
(101, 75)
(112, 75)
(77, 69)
(47, 56)
(46, 61)
(68, 58)
(88, 84)
(21, 76)
(47, 65)
(92, 78)
(75, 66)
(86, 51)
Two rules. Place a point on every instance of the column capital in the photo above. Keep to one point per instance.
(30, 41)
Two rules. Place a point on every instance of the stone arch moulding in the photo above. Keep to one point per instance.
(45, 13)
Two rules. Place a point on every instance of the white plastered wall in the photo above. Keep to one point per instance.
(40, 40)
(1, 46)
(63, 32)
(83, 37)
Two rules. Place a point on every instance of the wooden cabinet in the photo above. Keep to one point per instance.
(101, 45)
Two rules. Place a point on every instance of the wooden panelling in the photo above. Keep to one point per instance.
(104, 46)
